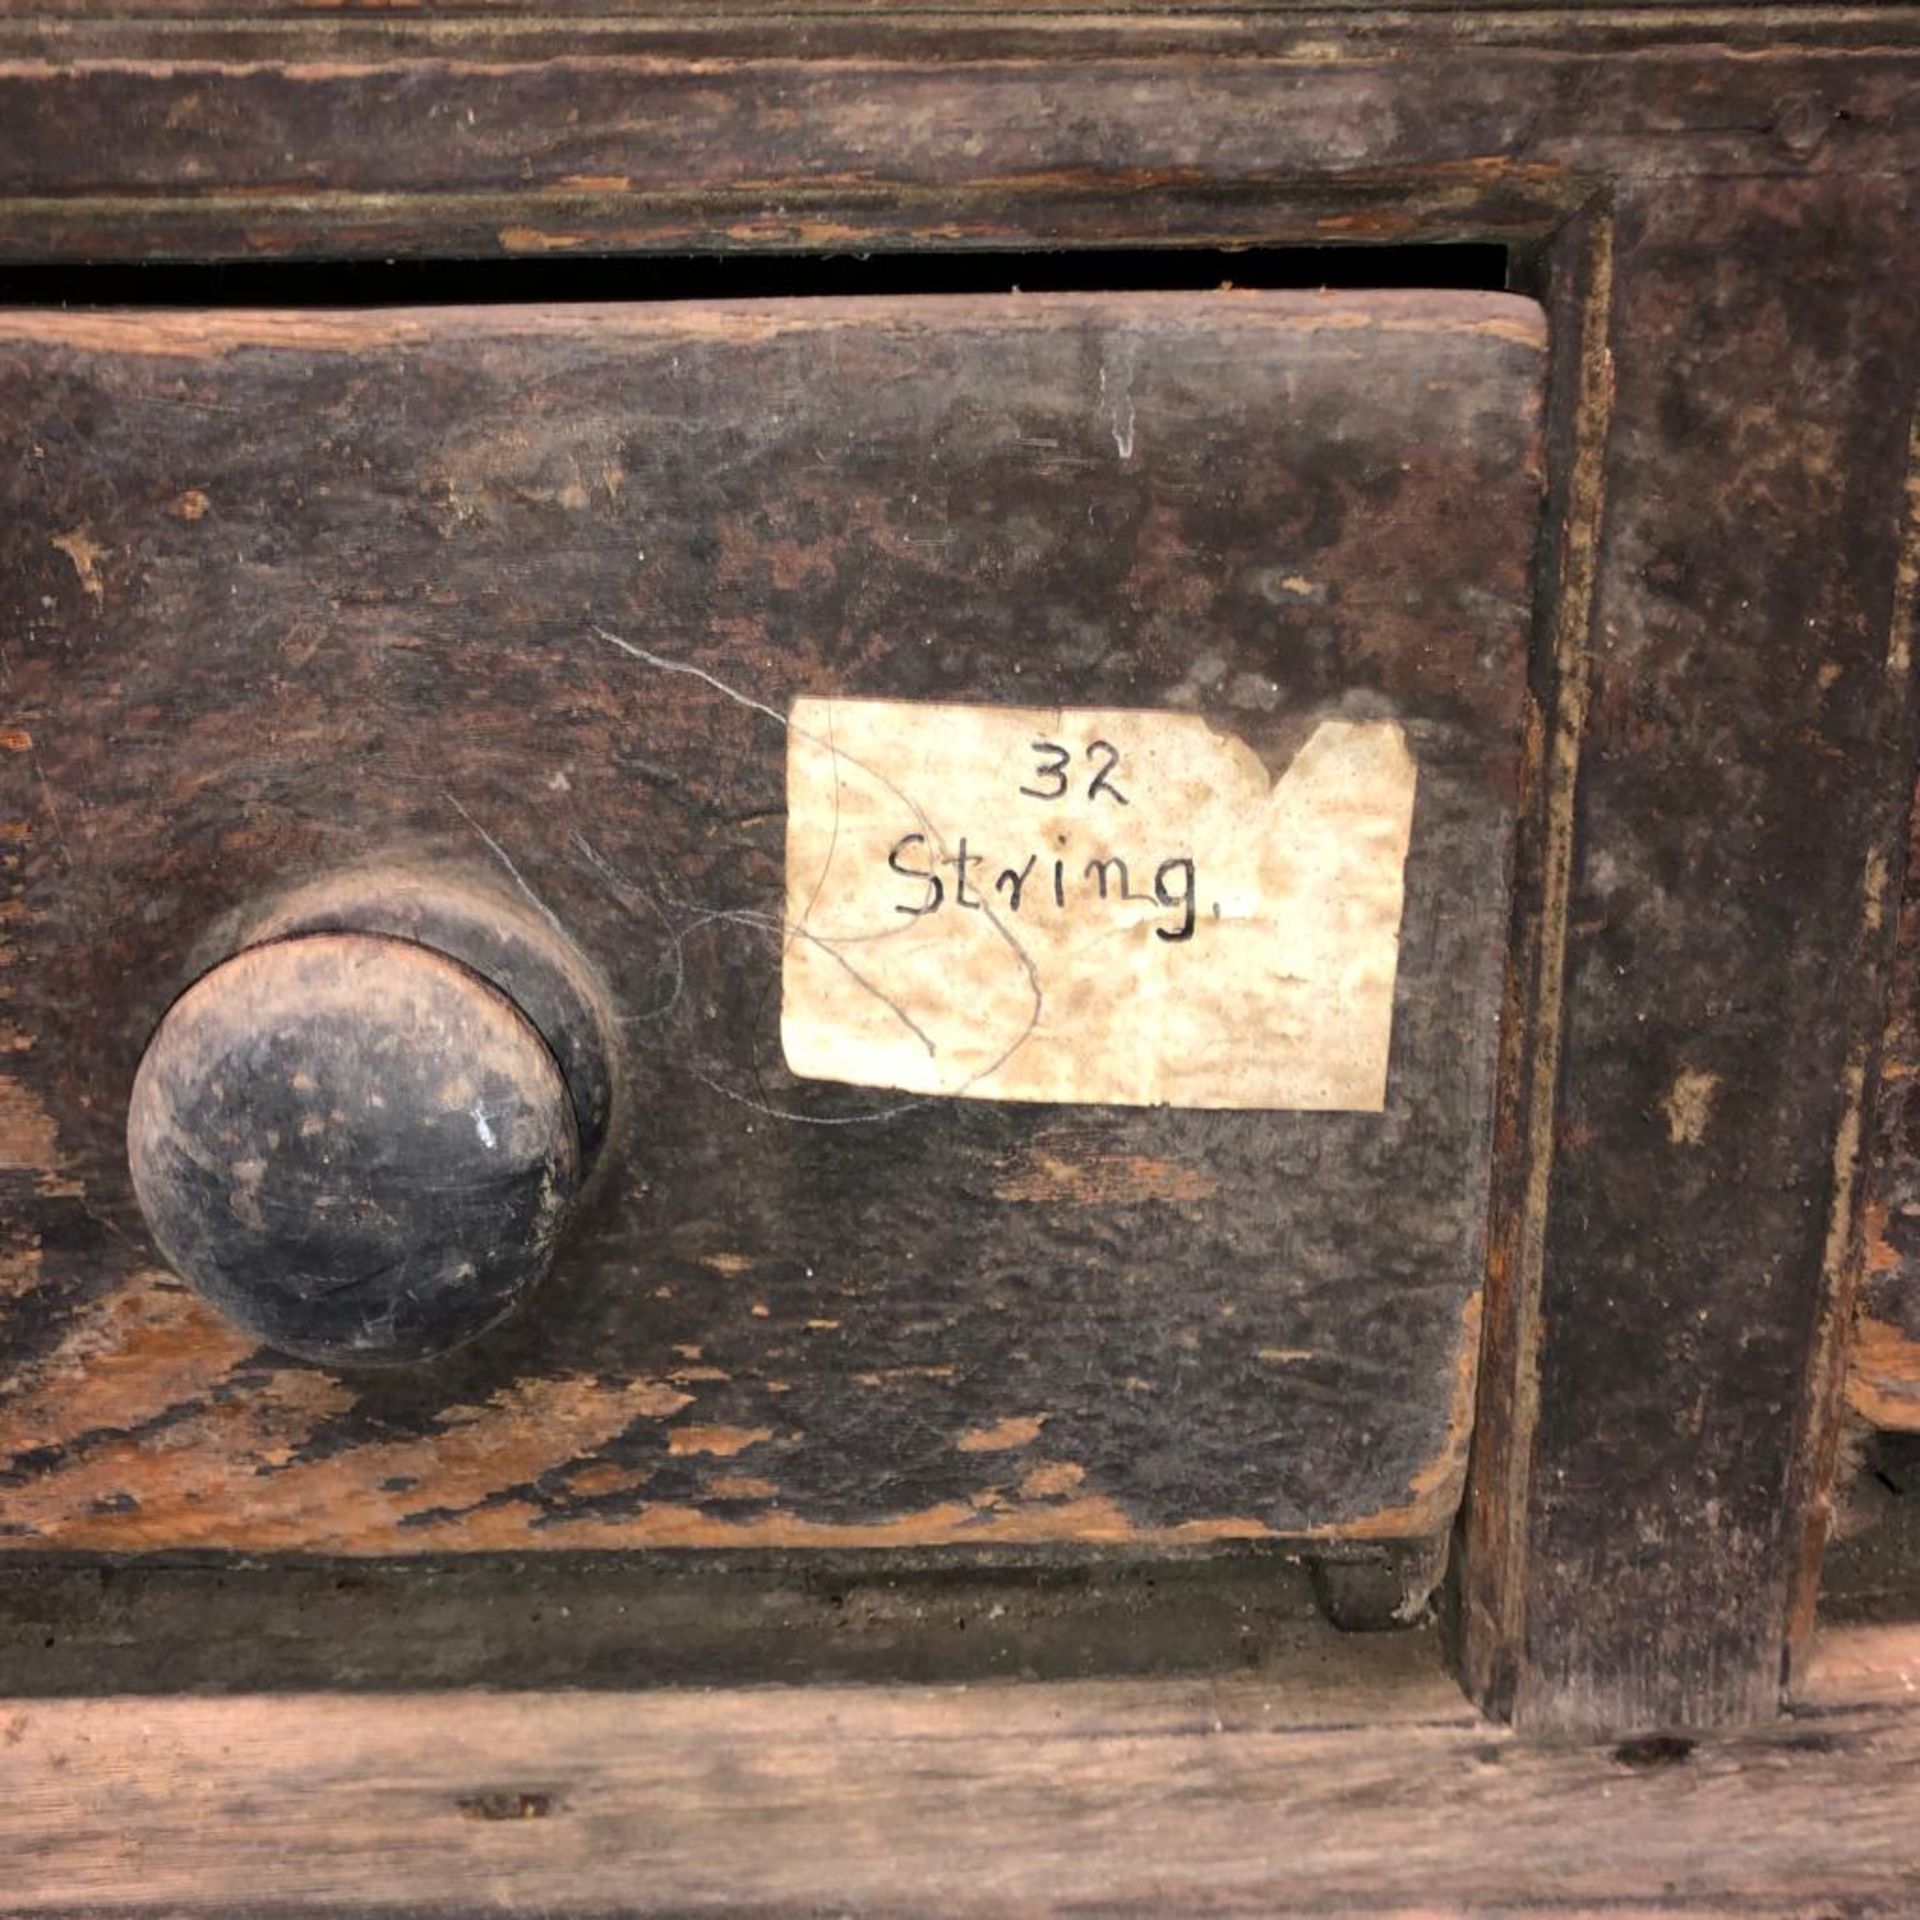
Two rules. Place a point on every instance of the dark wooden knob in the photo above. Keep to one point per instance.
(355, 1146)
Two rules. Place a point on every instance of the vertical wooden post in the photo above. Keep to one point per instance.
(1720, 792)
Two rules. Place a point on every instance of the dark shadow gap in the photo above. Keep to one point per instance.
(625, 1622)
(746, 276)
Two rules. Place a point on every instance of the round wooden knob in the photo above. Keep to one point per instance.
(353, 1145)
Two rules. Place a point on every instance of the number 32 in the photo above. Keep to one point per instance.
(1054, 760)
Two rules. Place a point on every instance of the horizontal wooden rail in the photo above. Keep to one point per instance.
(1366, 1787)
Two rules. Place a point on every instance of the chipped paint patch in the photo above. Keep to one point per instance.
(20, 1270)
(1017, 1430)
(29, 1140)
(722, 1441)
(86, 553)
(591, 1482)
(1051, 1481)
(1883, 1387)
(536, 240)
(237, 1477)
(740, 1486)
(1688, 1106)
(1105, 1180)
(127, 1358)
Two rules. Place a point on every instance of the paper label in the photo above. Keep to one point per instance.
(1120, 907)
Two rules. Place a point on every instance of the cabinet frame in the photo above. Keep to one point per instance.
(1719, 208)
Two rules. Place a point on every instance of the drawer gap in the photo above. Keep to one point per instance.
(752, 276)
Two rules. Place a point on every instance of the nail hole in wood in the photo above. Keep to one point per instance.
(505, 1806)
(1654, 1750)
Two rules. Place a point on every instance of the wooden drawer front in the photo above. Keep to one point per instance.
(526, 596)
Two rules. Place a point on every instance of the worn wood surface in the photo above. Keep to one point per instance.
(538, 588)
(1740, 782)
(1492, 1588)
(1377, 1793)
(1883, 1385)
(517, 134)
(1838, 11)
(1719, 206)
(1876, 1666)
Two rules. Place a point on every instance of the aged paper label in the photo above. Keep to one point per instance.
(1098, 905)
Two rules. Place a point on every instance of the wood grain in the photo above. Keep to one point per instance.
(1225, 1795)
(517, 135)
(1868, 1666)
(1704, 765)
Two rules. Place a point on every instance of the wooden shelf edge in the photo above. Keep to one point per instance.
(1236, 1794)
